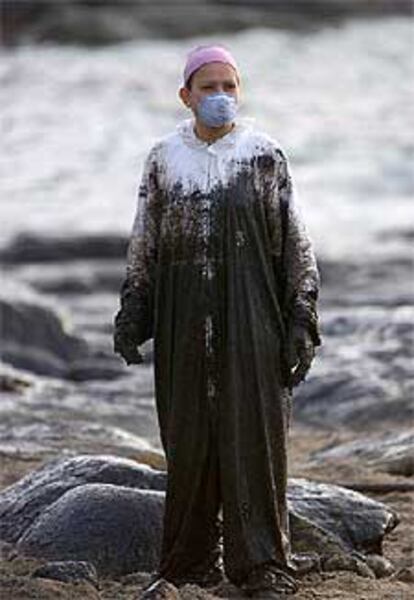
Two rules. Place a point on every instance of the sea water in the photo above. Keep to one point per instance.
(77, 124)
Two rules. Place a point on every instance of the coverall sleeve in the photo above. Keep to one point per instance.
(301, 275)
(135, 316)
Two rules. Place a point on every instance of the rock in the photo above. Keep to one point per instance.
(13, 383)
(390, 452)
(345, 518)
(78, 277)
(31, 248)
(380, 565)
(68, 571)
(361, 374)
(190, 591)
(306, 562)
(34, 337)
(116, 528)
(344, 562)
(17, 583)
(96, 509)
(366, 283)
(48, 438)
(160, 590)
(24, 501)
(406, 574)
(405, 234)
(92, 367)
(7, 551)
(100, 22)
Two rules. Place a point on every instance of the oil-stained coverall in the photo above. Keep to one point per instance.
(220, 272)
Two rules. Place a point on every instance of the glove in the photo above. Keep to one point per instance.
(125, 345)
(129, 352)
(301, 354)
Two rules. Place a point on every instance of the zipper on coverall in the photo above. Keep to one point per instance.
(208, 274)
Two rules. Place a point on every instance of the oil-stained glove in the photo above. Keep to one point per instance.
(301, 354)
(125, 345)
(129, 352)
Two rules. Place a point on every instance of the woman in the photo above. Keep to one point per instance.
(221, 274)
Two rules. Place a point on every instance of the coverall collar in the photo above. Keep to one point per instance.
(186, 130)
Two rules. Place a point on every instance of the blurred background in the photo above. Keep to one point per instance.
(86, 89)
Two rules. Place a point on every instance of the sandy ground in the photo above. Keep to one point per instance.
(16, 583)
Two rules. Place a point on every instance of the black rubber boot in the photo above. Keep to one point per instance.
(268, 582)
(210, 574)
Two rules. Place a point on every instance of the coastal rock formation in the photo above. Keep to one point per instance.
(49, 438)
(101, 22)
(361, 374)
(391, 452)
(109, 511)
(34, 337)
(26, 248)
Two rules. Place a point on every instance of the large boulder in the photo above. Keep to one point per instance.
(109, 512)
(35, 337)
(350, 519)
(22, 503)
(116, 528)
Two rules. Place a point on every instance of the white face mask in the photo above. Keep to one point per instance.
(215, 110)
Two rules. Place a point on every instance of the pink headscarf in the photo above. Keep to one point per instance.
(202, 55)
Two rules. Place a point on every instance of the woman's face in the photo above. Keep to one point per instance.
(209, 79)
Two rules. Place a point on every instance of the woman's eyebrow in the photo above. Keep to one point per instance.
(212, 81)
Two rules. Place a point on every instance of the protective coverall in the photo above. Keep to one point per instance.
(219, 270)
